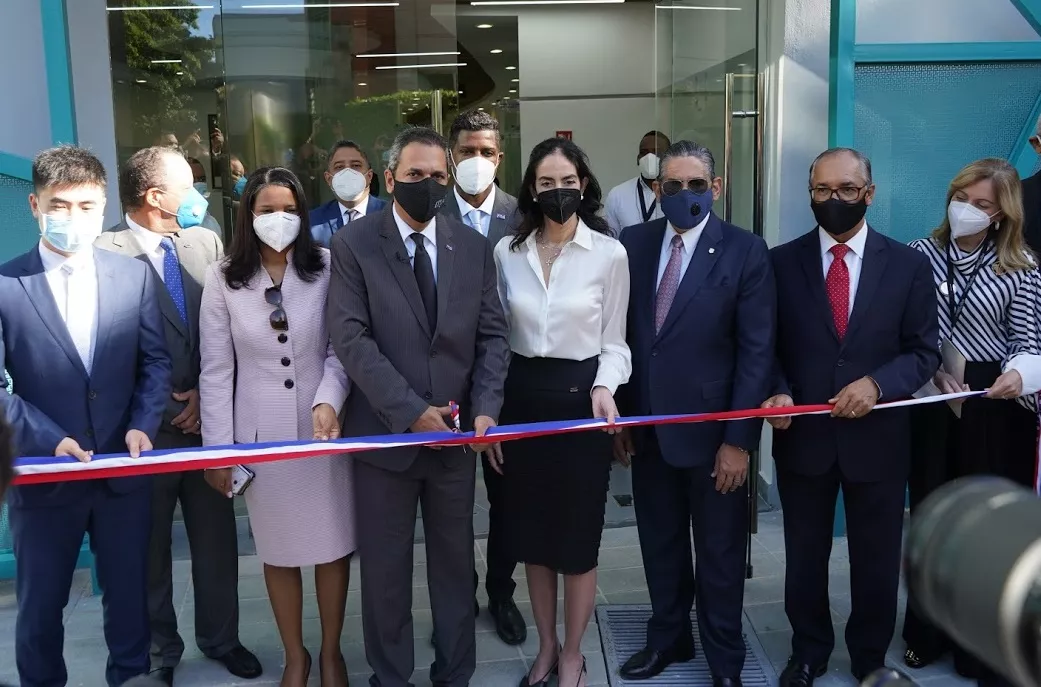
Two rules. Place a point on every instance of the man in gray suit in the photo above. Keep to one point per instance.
(476, 147)
(415, 318)
(161, 228)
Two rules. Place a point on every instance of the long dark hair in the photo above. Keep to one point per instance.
(532, 216)
(243, 260)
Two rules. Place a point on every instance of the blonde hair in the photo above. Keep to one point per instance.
(1013, 254)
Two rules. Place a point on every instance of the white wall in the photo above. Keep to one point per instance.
(941, 21)
(25, 121)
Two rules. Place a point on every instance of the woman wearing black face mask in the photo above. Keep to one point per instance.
(564, 284)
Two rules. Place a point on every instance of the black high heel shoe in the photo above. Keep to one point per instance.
(307, 669)
(914, 659)
(581, 672)
(544, 682)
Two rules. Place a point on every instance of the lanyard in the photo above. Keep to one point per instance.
(955, 307)
(643, 204)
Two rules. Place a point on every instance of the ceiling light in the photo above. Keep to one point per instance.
(180, 73)
(480, 109)
(166, 61)
(460, 92)
(689, 7)
(408, 54)
(422, 66)
(546, 2)
(515, 80)
(510, 68)
(497, 51)
(318, 5)
(141, 81)
(484, 26)
(164, 7)
(513, 90)
(363, 84)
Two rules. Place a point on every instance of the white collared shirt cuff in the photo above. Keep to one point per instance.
(1028, 366)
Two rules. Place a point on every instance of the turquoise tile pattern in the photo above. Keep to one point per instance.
(18, 229)
(921, 123)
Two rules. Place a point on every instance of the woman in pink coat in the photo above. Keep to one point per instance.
(269, 374)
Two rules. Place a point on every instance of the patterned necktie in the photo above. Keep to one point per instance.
(172, 277)
(424, 270)
(670, 283)
(837, 287)
(79, 313)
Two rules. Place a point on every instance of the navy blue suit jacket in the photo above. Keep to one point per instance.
(892, 337)
(54, 397)
(327, 219)
(715, 350)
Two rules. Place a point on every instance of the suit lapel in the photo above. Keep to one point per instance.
(445, 265)
(813, 267)
(705, 255)
(501, 212)
(108, 295)
(397, 260)
(872, 268)
(34, 281)
(451, 206)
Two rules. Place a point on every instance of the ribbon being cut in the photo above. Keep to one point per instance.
(40, 470)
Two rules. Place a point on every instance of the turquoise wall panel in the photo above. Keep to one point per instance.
(18, 229)
(921, 123)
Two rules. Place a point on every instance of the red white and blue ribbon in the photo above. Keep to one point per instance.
(60, 469)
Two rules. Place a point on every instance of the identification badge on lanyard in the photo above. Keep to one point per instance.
(955, 305)
(646, 212)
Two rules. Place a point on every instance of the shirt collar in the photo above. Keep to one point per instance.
(465, 208)
(149, 240)
(583, 237)
(857, 244)
(53, 261)
(430, 231)
(360, 208)
(690, 237)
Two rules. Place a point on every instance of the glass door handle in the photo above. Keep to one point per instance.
(728, 150)
(728, 145)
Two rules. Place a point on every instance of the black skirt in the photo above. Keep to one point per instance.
(555, 487)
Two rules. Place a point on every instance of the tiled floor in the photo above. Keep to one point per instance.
(621, 580)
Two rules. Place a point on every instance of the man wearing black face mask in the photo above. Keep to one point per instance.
(856, 323)
(415, 317)
(701, 341)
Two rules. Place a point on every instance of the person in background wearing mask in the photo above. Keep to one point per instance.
(238, 177)
(696, 475)
(477, 202)
(564, 284)
(633, 202)
(349, 175)
(269, 374)
(1032, 199)
(416, 321)
(986, 285)
(203, 187)
(856, 323)
(83, 343)
(161, 229)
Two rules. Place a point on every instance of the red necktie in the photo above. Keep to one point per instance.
(837, 286)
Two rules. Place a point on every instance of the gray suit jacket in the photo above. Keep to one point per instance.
(378, 326)
(505, 218)
(196, 249)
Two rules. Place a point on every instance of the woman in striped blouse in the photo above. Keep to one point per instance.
(987, 283)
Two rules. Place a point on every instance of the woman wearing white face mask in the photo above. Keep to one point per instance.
(269, 374)
(987, 284)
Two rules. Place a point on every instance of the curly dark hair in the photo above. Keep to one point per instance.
(243, 261)
(532, 217)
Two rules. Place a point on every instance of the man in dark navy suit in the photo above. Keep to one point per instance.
(349, 175)
(82, 337)
(856, 323)
(701, 330)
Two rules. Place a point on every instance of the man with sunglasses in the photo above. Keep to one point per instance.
(1032, 198)
(701, 331)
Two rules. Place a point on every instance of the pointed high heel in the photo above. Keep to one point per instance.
(307, 669)
(581, 673)
(544, 682)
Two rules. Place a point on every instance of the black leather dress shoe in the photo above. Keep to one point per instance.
(163, 675)
(240, 662)
(800, 674)
(509, 623)
(648, 663)
(726, 681)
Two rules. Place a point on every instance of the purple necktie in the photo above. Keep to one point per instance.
(670, 282)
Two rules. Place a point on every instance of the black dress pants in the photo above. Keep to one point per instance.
(498, 581)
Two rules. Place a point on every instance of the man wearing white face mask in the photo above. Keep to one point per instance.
(82, 338)
(349, 175)
(633, 202)
(476, 148)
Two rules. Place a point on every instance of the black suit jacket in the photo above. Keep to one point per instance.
(893, 337)
(1032, 211)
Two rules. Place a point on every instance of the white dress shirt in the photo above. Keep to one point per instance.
(580, 313)
(429, 240)
(622, 208)
(483, 221)
(150, 242)
(358, 210)
(854, 258)
(690, 244)
(74, 285)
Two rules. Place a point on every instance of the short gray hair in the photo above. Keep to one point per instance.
(861, 158)
(687, 149)
(414, 134)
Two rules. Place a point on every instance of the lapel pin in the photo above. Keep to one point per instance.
(499, 215)
(711, 251)
(448, 246)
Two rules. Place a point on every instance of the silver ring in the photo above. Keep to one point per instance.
(853, 413)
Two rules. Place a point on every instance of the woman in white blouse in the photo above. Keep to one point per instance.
(564, 284)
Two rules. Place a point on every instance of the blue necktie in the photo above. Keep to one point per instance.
(172, 277)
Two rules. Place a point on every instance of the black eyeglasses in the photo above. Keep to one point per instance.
(847, 194)
(273, 296)
(673, 186)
